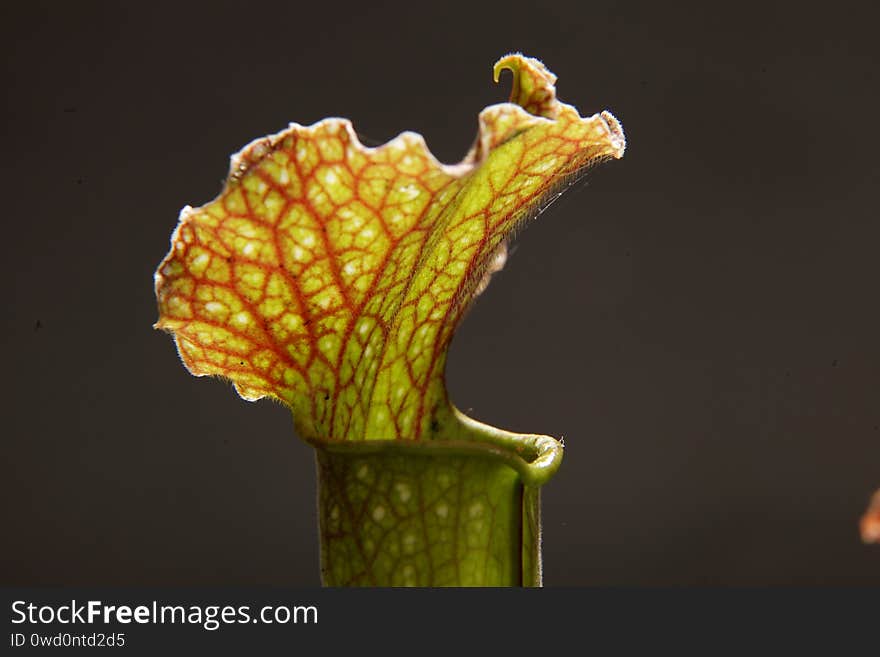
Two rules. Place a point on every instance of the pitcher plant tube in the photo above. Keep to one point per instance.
(331, 277)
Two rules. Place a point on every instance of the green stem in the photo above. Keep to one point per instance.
(434, 513)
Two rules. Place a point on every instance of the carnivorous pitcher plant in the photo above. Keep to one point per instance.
(331, 277)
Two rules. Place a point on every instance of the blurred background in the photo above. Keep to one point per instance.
(700, 320)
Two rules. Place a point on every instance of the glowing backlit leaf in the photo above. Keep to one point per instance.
(332, 276)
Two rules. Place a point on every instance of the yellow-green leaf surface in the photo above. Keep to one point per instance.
(331, 276)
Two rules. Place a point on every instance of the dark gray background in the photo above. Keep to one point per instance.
(700, 320)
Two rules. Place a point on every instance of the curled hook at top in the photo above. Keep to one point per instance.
(533, 85)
